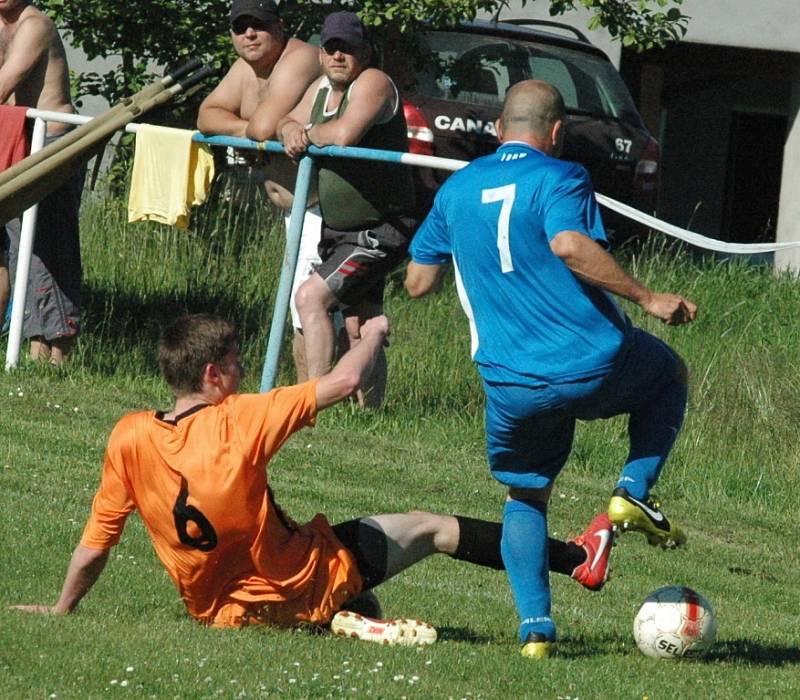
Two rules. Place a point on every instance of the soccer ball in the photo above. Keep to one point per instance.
(674, 622)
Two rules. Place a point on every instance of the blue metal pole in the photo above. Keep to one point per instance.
(290, 252)
(302, 183)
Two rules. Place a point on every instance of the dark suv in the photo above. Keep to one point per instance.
(452, 103)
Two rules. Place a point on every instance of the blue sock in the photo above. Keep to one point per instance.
(524, 550)
(652, 433)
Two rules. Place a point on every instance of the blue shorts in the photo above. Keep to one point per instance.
(529, 429)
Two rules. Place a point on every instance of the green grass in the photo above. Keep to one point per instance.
(732, 481)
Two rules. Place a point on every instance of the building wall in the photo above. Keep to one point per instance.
(789, 215)
(704, 95)
(737, 68)
(769, 24)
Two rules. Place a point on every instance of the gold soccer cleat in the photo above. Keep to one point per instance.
(630, 514)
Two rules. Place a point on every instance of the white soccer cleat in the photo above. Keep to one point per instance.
(367, 629)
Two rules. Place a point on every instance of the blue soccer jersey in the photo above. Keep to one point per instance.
(531, 319)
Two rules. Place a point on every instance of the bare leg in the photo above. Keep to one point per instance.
(40, 349)
(313, 301)
(299, 355)
(60, 349)
(5, 288)
(413, 536)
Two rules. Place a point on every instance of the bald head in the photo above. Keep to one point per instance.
(530, 112)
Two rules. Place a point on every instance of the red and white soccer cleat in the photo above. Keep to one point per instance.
(596, 541)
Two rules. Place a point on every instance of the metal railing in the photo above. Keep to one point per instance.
(294, 232)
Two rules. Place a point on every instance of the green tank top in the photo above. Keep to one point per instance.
(354, 193)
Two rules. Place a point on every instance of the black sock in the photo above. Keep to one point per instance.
(565, 556)
(479, 543)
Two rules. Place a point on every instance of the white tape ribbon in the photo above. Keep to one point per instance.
(453, 164)
(689, 236)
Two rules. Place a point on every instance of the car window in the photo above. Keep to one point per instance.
(555, 72)
(479, 69)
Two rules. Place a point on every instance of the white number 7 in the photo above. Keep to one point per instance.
(504, 194)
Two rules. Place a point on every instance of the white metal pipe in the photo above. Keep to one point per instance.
(26, 239)
(64, 118)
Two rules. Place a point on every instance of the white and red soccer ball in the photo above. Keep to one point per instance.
(674, 622)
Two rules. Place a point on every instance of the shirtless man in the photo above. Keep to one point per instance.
(34, 73)
(263, 85)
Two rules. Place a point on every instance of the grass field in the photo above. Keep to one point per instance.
(733, 481)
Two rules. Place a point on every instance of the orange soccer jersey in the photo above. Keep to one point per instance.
(200, 486)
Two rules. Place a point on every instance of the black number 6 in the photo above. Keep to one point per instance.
(184, 514)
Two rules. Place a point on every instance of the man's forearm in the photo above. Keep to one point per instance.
(84, 569)
(262, 127)
(7, 87)
(590, 263)
(345, 378)
(215, 120)
(360, 358)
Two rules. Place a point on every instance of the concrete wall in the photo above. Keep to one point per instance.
(91, 106)
(766, 24)
(738, 59)
(699, 92)
(789, 216)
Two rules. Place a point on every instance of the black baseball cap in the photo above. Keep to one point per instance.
(264, 10)
(345, 26)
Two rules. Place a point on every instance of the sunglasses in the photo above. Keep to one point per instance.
(242, 24)
(332, 46)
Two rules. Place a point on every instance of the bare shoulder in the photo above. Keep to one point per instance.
(299, 58)
(373, 78)
(240, 72)
(375, 83)
(299, 48)
(240, 77)
(33, 34)
(34, 22)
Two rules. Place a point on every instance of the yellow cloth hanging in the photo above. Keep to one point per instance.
(171, 173)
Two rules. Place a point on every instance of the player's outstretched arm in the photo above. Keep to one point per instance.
(592, 264)
(84, 569)
(345, 378)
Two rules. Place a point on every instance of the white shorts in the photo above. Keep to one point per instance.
(308, 256)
